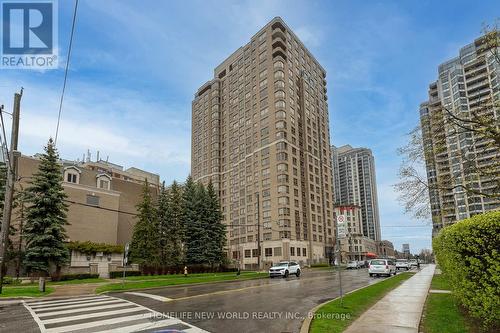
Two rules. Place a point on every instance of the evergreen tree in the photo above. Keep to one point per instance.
(162, 215)
(216, 229)
(192, 212)
(44, 231)
(145, 244)
(172, 225)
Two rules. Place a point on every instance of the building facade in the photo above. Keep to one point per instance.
(467, 86)
(355, 246)
(101, 199)
(355, 184)
(385, 249)
(260, 134)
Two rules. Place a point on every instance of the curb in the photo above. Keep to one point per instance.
(307, 322)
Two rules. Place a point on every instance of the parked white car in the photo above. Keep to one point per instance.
(284, 269)
(414, 262)
(353, 264)
(402, 264)
(381, 267)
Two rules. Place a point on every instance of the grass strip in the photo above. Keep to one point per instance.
(29, 291)
(334, 318)
(442, 314)
(178, 280)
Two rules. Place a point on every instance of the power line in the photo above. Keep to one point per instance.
(99, 207)
(66, 71)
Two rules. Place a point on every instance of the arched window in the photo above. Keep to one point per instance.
(279, 94)
(279, 75)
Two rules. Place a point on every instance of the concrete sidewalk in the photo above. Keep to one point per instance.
(400, 310)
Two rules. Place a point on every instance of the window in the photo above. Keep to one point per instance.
(92, 200)
(255, 253)
(304, 253)
(279, 64)
(72, 174)
(248, 254)
(104, 184)
(104, 181)
(279, 75)
(268, 251)
(279, 94)
(292, 251)
(71, 177)
(279, 104)
(277, 251)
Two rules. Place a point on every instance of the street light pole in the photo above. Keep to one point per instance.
(9, 186)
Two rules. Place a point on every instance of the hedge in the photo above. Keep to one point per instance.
(67, 277)
(468, 254)
(91, 247)
(119, 274)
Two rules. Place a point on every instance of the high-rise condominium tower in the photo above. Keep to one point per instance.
(355, 184)
(467, 87)
(260, 133)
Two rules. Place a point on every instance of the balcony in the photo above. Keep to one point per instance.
(278, 26)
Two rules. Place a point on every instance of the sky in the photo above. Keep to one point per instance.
(136, 65)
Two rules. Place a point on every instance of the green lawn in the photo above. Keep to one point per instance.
(179, 276)
(441, 314)
(80, 281)
(334, 318)
(27, 291)
(440, 282)
(172, 280)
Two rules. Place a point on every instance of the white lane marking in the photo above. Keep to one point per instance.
(101, 307)
(156, 297)
(94, 315)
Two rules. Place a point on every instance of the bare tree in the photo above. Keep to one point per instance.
(426, 166)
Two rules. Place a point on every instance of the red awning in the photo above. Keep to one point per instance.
(371, 255)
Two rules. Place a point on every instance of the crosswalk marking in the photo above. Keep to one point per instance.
(156, 297)
(91, 315)
(90, 298)
(100, 314)
(101, 307)
(66, 302)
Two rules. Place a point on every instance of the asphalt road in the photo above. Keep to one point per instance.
(265, 305)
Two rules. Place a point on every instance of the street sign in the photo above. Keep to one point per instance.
(125, 255)
(341, 226)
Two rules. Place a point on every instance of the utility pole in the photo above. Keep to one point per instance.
(9, 187)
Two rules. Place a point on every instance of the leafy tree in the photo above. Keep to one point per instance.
(145, 244)
(46, 209)
(170, 220)
(215, 228)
